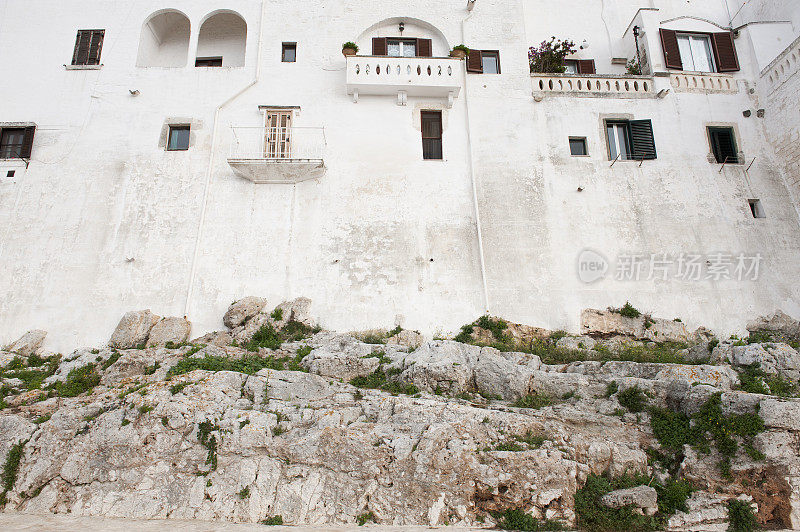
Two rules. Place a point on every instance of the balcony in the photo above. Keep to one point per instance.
(278, 154)
(703, 82)
(592, 86)
(432, 77)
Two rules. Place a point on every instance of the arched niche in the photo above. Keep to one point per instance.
(412, 28)
(223, 34)
(165, 40)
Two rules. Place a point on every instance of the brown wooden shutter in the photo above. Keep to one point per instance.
(424, 48)
(81, 54)
(380, 46)
(643, 145)
(27, 142)
(725, 52)
(586, 66)
(475, 62)
(95, 47)
(672, 52)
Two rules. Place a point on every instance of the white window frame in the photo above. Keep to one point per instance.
(619, 137)
(404, 46)
(695, 44)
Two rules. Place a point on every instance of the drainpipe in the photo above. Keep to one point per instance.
(209, 172)
(470, 6)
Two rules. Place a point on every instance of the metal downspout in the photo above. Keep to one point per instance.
(209, 172)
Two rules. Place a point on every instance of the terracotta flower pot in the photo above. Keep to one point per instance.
(348, 51)
(458, 54)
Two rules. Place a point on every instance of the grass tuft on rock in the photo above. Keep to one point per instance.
(78, 381)
(517, 519)
(10, 470)
(741, 517)
(633, 399)
(534, 401)
(275, 520)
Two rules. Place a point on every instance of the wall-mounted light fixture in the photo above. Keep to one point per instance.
(402, 27)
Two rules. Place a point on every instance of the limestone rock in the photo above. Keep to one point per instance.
(219, 338)
(452, 367)
(295, 310)
(661, 330)
(406, 338)
(706, 513)
(242, 310)
(779, 322)
(173, 329)
(781, 414)
(29, 343)
(133, 329)
(644, 497)
(6, 357)
(605, 322)
(723, 377)
(344, 358)
(771, 357)
(576, 342)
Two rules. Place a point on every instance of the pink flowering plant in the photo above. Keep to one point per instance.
(548, 57)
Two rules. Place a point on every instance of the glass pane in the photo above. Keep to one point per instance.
(490, 65)
(431, 126)
(685, 46)
(394, 48)
(571, 67)
(289, 53)
(701, 52)
(409, 49)
(623, 141)
(577, 146)
(612, 142)
(11, 143)
(178, 139)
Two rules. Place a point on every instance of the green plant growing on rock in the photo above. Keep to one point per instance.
(594, 516)
(244, 493)
(275, 520)
(110, 360)
(611, 388)
(741, 517)
(377, 380)
(78, 381)
(633, 399)
(517, 519)
(534, 401)
(627, 310)
(277, 314)
(363, 518)
(209, 441)
(10, 470)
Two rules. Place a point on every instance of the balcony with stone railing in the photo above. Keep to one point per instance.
(703, 82)
(592, 86)
(278, 154)
(436, 77)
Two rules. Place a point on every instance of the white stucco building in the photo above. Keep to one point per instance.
(397, 186)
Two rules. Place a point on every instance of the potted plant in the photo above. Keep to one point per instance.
(349, 48)
(548, 57)
(459, 51)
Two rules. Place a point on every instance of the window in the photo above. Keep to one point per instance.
(400, 47)
(208, 62)
(431, 134)
(278, 134)
(16, 142)
(630, 140)
(723, 145)
(582, 66)
(699, 52)
(289, 53)
(178, 138)
(88, 45)
(11, 173)
(756, 209)
(483, 62)
(696, 53)
(577, 146)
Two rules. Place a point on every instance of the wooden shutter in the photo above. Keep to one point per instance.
(725, 52)
(81, 54)
(586, 66)
(380, 46)
(27, 142)
(643, 144)
(95, 47)
(475, 62)
(424, 48)
(672, 52)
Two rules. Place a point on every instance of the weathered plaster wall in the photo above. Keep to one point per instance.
(104, 220)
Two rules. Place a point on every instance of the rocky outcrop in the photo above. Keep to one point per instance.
(780, 323)
(242, 310)
(445, 433)
(29, 343)
(405, 338)
(643, 498)
(608, 322)
(169, 330)
(133, 329)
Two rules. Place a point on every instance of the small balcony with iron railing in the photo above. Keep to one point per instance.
(278, 154)
(433, 77)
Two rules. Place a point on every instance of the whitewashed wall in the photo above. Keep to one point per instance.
(104, 220)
